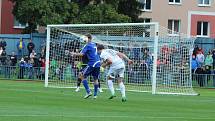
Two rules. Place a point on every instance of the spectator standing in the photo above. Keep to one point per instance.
(1, 50)
(3, 57)
(22, 65)
(200, 58)
(145, 52)
(3, 60)
(20, 47)
(200, 76)
(13, 59)
(33, 55)
(29, 67)
(200, 50)
(195, 50)
(30, 47)
(121, 49)
(13, 62)
(143, 72)
(209, 60)
(3, 44)
(43, 52)
(165, 52)
(194, 64)
(43, 65)
(34, 62)
(213, 56)
(129, 50)
(7, 68)
(136, 52)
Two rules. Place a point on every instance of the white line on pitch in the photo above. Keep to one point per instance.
(146, 117)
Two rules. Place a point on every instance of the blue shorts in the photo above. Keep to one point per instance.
(94, 71)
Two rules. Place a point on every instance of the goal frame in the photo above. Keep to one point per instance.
(155, 56)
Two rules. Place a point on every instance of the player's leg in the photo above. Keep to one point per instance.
(110, 79)
(120, 72)
(79, 82)
(100, 88)
(85, 73)
(95, 73)
(111, 87)
(122, 88)
(101, 78)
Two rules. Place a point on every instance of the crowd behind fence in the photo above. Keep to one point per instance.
(38, 74)
(11, 67)
(22, 73)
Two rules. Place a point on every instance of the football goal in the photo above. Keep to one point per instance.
(161, 60)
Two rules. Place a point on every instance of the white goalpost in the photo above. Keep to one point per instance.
(161, 61)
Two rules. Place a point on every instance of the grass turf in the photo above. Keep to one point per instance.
(30, 101)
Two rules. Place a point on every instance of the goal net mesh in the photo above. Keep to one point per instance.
(141, 42)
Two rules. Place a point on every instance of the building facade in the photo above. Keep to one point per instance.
(192, 17)
(8, 23)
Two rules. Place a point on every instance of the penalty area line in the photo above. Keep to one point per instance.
(142, 117)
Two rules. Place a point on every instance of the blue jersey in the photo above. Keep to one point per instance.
(85, 60)
(90, 50)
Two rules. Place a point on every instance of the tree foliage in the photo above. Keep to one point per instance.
(131, 8)
(102, 13)
(43, 12)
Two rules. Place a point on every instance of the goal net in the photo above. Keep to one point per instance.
(161, 61)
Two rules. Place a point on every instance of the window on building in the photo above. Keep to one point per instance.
(17, 24)
(174, 27)
(203, 29)
(147, 20)
(147, 27)
(204, 2)
(146, 5)
(174, 1)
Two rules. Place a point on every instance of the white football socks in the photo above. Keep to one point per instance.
(122, 88)
(110, 86)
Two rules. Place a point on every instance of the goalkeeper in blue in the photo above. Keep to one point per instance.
(93, 65)
(115, 61)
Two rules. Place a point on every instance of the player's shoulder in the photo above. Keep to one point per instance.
(104, 52)
(85, 46)
(108, 50)
(92, 44)
(111, 51)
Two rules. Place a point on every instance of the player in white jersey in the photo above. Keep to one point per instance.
(115, 60)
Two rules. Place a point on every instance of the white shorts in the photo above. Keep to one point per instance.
(116, 71)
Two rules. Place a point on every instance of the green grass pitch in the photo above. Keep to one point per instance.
(30, 101)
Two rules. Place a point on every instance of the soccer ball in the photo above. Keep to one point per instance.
(66, 52)
(84, 39)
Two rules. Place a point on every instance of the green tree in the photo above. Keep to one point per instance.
(43, 12)
(102, 13)
(130, 8)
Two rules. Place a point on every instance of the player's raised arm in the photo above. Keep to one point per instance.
(83, 51)
(106, 62)
(122, 55)
(76, 54)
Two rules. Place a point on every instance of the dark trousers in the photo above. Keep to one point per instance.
(21, 73)
(200, 80)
